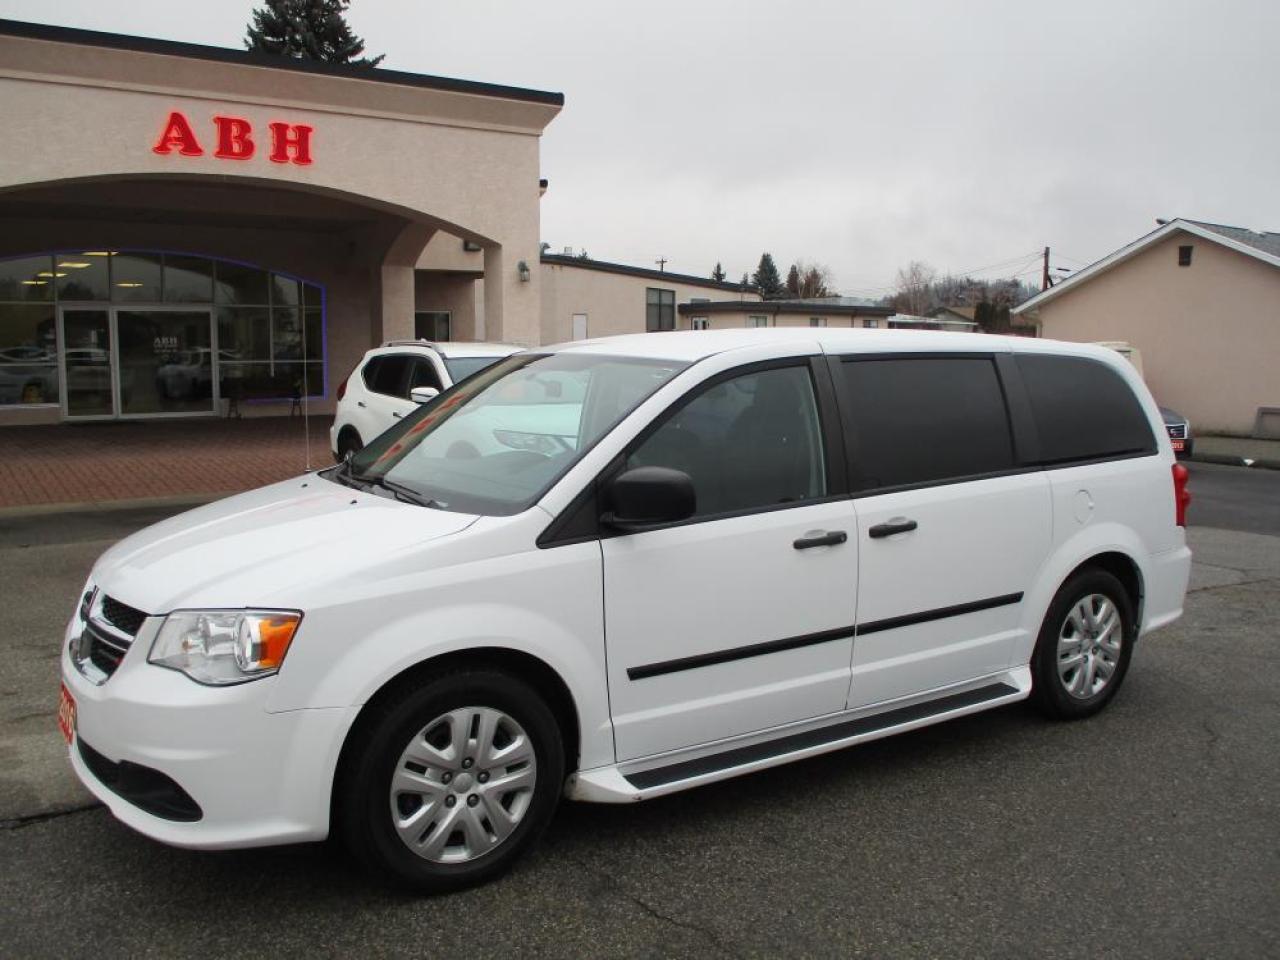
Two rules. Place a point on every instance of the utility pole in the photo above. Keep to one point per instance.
(662, 264)
(1045, 280)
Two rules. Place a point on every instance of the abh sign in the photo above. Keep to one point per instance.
(234, 140)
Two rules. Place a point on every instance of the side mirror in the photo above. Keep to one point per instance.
(423, 394)
(645, 497)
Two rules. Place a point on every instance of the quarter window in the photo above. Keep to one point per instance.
(748, 443)
(660, 309)
(1083, 409)
(926, 420)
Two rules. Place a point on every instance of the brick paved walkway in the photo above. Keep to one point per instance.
(96, 462)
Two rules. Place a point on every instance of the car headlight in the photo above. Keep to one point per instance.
(225, 646)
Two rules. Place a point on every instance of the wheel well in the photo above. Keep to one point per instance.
(1123, 569)
(349, 431)
(537, 673)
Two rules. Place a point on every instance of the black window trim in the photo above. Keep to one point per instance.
(561, 531)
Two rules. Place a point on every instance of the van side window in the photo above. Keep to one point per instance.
(747, 443)
(926, 420)
(1083, 409)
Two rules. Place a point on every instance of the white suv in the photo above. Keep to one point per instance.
(619, 568)
(390, 380)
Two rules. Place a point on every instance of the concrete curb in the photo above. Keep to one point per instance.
(99, 506)
(1262, 463)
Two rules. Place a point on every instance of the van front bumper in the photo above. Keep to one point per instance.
(253, 777)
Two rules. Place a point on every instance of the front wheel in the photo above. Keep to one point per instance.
(1083, 650)
(447, 784)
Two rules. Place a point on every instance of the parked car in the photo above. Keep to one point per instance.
(390, 380)
(620, 568)
(1179, 428)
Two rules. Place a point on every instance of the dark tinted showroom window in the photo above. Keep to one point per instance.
(747, 443)
(926, 419)
(1083, 409)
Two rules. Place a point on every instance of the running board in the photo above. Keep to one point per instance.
(611, 785)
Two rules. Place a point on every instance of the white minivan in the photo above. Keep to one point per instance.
(614, 569)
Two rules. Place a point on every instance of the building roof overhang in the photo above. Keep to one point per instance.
(1131, 250)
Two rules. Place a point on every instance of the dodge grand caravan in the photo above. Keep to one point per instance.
(619, 568)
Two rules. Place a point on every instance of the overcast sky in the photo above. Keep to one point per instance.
(860, 135)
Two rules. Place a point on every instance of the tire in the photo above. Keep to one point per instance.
(348, 442)
(1066, 687)
(429, 739)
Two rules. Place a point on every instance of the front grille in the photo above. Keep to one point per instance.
(123, 618)
(102, 649)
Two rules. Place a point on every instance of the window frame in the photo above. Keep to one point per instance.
(580, 521)
(1185, 252)
(666, 307)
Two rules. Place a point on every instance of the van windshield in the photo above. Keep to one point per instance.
(495, 443)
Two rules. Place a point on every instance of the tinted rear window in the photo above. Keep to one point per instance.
(391, 375)
(926, 419)
(1083, 409)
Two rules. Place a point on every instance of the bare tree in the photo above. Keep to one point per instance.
(813, 279)
(915, 288)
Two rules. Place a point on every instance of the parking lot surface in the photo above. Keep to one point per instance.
(1148, 831)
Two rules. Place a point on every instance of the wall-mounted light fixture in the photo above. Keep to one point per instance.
(522, 268)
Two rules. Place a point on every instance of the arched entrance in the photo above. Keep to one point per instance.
(104, 334)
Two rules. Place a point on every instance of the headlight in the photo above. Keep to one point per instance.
(225, 646)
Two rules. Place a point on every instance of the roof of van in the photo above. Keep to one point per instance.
(692, 345)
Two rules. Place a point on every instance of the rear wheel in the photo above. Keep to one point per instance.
(348, 443)
(1083, 650)
(449, 783)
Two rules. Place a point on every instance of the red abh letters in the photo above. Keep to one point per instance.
(233, 138)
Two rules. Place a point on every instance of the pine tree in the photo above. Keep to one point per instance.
(767, 279)
(746, 282)
(307, 30)
(718, 273)
(793, 281)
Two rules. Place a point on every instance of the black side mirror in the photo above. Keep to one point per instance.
(645, 497)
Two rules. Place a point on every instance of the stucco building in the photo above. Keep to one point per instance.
(188, 225)
(1201, 302)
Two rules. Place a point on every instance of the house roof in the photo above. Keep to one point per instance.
(1263, 246)
(604, 266)
(829, 306)
(196, 51)
(964, 313)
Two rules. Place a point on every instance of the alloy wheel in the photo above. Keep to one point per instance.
(1089, 646)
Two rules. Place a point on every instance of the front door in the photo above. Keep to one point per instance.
(88, 363)
(741, 618)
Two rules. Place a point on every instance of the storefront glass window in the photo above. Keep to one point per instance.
(237, 283)
(187, 279)
(129, 350)
(135, 277)
(83, 276)
(28, 278)
(28, 354)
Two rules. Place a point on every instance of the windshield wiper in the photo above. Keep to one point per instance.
(407, 494)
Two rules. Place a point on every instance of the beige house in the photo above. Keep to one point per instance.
(817, 312)
(1201, 302)
(592, 298)
(185, 226)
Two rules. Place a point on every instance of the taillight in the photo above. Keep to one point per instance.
(1181, 495)
(342, 387)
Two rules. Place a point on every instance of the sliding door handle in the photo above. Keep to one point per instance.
(890, 527)
(823, 540)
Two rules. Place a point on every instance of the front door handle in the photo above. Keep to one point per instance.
(823, 540)
(890, 527)
(396, 414)
(360, 404)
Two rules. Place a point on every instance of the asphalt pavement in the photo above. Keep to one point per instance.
(1148, 831)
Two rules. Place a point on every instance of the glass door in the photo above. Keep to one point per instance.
(88, 383)
(166, 361)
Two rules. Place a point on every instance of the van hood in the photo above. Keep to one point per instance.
(251, 549)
